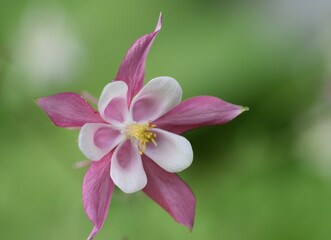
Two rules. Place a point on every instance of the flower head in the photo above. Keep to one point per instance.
(129, 131)
(133, 138)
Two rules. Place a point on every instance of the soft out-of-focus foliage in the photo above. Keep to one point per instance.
(266, 175)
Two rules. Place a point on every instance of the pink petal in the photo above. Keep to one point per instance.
(156, 98)
(68, 110)
(112, 105)
(127, 170)
(97, 139)
(97, 192)
(198, 112)
(132, 69)
(170, 192)
(173, 152)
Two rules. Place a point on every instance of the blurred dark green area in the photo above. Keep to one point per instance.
(265, 175)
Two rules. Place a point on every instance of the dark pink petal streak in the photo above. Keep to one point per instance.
(97, 191)
(198, 112)
(68, 110)
(170, 192)
(132, 69)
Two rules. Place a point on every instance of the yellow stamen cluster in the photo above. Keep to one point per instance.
(140, 135)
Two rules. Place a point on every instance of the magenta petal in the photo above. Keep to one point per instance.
(68, 110)
(97, 191)
(170, 192)
(132, 69)
(197, 112)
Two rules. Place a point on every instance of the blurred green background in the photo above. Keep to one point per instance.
(265, 175)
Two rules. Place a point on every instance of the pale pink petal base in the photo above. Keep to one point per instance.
(156, 98)
(170, 192)
(198, 112)
(127, 170)
(97, 192)
(82, 164)
(112, 103)
(90, 98)
(97, 139)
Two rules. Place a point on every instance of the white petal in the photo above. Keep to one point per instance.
(173, 152)
(126, 169)
(112, 104)
(155, 99)
(97, 139)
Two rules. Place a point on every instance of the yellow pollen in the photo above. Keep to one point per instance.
(140, 135)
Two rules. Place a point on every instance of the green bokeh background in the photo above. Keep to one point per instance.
(265, 175)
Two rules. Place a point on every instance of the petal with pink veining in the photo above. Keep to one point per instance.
(170, 192)
(97, 192)
(198, 112)
(68, 110)
(173, 152)
(156, 98)
(112, 103)
(132, 69)
(97, 139)
(127, 170)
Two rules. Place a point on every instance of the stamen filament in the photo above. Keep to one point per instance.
(140, 135)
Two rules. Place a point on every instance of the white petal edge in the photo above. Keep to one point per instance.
(156, 98)
(86, 141)
(110, 91)
(173, 152)
(133, 178)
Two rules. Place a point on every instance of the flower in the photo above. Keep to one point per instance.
(130, 132)
(133, 138)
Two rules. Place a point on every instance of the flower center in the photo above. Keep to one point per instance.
(140, 135)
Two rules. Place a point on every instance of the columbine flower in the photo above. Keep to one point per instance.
(133, 139)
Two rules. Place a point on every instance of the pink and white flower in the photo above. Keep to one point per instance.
(133, 138)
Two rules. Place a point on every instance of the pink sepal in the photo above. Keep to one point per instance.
(170, 192)
(97, 192)
(132, 69)
(198, 112)
(68, 110)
